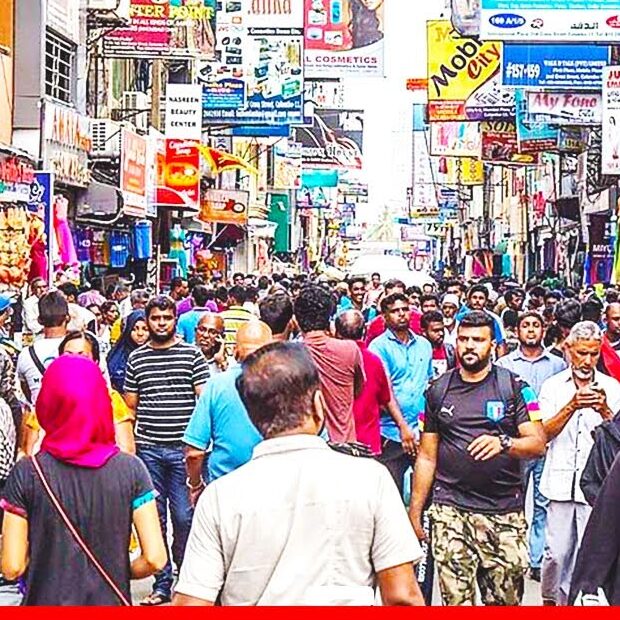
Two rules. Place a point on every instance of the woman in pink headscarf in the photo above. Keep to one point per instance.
(101, 490)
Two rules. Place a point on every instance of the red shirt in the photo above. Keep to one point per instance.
(377, 327)
(374, 397)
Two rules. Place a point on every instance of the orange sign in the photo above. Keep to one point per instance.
(417, 84)
(225, 206)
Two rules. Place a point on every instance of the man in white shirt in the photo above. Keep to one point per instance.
(450, 305)
(300, 524)
(30, 309)
(573, 403)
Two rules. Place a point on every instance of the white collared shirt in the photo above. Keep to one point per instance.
(300, 524)
(568, 453)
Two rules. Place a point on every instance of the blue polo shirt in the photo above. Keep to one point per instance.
(533, 371)
(221, 420)
(188, 322)
(409, 367)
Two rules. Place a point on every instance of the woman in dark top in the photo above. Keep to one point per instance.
(135, 334)
(102, 491)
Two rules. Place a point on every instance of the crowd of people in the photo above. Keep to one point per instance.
(295, 440)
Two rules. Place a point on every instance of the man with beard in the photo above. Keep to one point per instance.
(609, 362)
(534, 365)
(210, 339)
(479, 420)
(163, 382)
(444, 354)
(450, 305)
(573, 403)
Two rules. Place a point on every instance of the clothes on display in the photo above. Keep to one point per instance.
(177, 249)
(143, 240)
(64, 239)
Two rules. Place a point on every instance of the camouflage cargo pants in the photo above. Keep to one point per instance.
(470, 548)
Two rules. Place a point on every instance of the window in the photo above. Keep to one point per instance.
(59, 67)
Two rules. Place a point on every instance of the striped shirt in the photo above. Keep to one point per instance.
(165, 381)
(234, 318)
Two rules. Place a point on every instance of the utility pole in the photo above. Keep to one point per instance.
(156, 94)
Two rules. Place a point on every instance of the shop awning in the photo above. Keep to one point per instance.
(262, 228)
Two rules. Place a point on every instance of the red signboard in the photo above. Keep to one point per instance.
(180, 177)
(133, 164)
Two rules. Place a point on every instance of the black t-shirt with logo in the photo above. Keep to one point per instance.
(468, 411)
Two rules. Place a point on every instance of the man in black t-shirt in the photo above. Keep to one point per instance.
(479, 420)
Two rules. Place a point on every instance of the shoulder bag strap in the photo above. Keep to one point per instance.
(78, 539)
(35, 360)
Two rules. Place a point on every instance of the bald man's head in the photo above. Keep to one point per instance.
(251, 336)
(612, 319)
(210, 333)
(350, 325)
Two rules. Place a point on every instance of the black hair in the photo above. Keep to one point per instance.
(221, 293)
(429, 297)
(238, 293)
(514, 292)
(510, 318)
(355, 279)
(350, 325)
(53, 309)
(568, 313)
(478, 318)
(592, 310)
(376, 273)
(394, 283)
(263, 283)
(478, 288)
(390, 300)
(106, 306)
(82, 335)
(530, 315)
(313, 308)
(553, 295)
(413, 290)
(538, 291)
(160, 302)
(195, 281)
(238, 274)
(200, 295)
(251, 294)
(433, 316)
(277, 311)
(277, 386)
(176, 282)
(69, 289)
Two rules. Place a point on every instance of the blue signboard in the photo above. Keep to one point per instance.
(261, 131)
(559, 66)
(40, 202)
(226, 94)
(533, 137)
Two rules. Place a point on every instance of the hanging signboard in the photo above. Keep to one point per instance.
(564, 108)
(133, 173)
(458, 139)
(181, 175)
(533, 136)
(550, 20)
(184, 111)
(165, 29)
(610, 148)
(287, 165)
(344, 37)
(500, 144)
(578, 67)
(423, 194)
(16, 177)
(225, 206)
(463, 76)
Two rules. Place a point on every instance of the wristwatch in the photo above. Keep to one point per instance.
(505, 442)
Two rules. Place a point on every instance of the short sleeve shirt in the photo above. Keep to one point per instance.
(468, 411)
(100, 503)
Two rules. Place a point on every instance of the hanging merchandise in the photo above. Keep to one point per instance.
(15, 233)
(66, 248)
(143, 240)
(119, 243)
(83, 244)
(177, 248)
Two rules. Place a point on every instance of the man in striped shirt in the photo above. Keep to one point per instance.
(163, 382)
(234, 317)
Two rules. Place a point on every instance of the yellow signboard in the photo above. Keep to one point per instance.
(464, 171)
(463, 76)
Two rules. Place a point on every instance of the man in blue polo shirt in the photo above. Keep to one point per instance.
(408, 363)
(220, 420)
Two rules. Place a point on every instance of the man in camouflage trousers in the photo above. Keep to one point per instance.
(479, 420)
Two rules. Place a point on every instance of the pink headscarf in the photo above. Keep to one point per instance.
(75, 411)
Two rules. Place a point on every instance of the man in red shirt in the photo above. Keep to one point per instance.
(377, 393)
(444, 355)
(377, 327)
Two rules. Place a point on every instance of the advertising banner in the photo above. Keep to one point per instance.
(461, 170)
(550, 20)
(500, 144)
(344, 37)
(533, 136)
(578, 67)
(563, 108)
(184, 111)
(424, 196)
(287, 165)
(610, 148)
(181, 174)
(334, 140)
(458, 139)
(325, 93)
(224, 80)
(133, 173)
(225, 206)
(274, 70)
(165, 28)
(463, 76)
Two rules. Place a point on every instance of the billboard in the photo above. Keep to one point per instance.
(225, 206)
(533, 136)
(610, 148)
(334, 140)
(181, 174)
(500, 144)
(133, 172)
(184, 111)
(344, 37)
(578, 67)
(165, 28)
(424, 194)
(457, 139)
(564, 108)
(464, 76)
(550, 20)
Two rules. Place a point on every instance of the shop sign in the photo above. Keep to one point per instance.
(225, 206)
(16, 177)
(344, 38)
(423, 197)
(184, 111)
(68, 141)
(610, 148)
(133, 173)
(181, 175)
(165, 29)
(578, 67)
(550, 20)
(457, 139)
(564, 108)
(500, 144)
(287, 165)
(533, 136)
(463, 76)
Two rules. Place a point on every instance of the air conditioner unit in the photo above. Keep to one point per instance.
(106, 138)
(138, 105)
